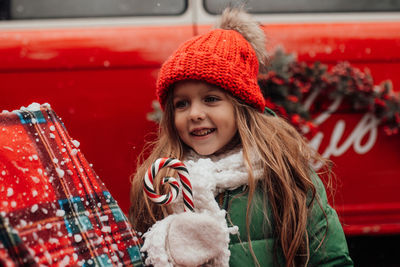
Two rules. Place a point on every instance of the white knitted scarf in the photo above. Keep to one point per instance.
(209, 177)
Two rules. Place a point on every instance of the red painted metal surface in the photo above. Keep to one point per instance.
(101, 82)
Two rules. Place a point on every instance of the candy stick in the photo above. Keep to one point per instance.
(168, 198)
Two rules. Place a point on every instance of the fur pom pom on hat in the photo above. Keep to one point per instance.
(228, 57)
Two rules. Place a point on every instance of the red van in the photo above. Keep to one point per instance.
(96, 64)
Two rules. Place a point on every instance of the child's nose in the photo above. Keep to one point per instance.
(197, 112)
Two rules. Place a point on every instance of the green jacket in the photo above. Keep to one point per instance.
(333, 251)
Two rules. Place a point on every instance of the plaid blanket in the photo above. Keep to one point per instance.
(54, 210)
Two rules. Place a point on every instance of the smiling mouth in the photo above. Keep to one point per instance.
(202, 132)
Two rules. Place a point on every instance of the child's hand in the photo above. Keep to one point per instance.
(194, 239)
(187, 239)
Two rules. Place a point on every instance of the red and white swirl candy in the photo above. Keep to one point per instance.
(173, 193)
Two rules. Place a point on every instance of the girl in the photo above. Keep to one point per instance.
(257, 201)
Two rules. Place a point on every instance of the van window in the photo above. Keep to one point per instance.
(303, 6)
(3, 9)
(41, 9)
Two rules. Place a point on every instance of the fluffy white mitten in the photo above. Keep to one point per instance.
(197, 238)
(187, 239)
(155, 243)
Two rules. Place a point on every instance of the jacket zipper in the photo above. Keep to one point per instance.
(226, 200)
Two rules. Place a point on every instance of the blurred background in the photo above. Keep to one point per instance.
(334, 73)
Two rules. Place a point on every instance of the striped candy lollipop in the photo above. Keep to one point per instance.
(168, 198)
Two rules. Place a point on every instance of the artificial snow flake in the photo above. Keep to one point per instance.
(104, 218)
(77, 238)
(22, 223)
(10, 192)
(48, 257)
(8, 148)
(32, 107)
(60, 172)
(65, 261)
(34, 208)
(53, 240)
(35, 179)
(76, 143)
(60, 213)
(106, 229)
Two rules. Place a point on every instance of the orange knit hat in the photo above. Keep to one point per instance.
(222, 57)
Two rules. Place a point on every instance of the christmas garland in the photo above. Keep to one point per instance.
(287, 83)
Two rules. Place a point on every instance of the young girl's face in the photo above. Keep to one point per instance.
(204, 116)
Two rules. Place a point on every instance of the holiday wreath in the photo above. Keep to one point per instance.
(288, 83)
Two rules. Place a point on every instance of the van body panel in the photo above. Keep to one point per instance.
(100, 79)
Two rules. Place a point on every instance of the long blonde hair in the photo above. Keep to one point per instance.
(287, 176)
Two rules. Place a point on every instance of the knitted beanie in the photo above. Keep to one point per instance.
(228, 58)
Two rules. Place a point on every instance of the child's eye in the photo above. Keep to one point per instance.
(181, 104)
(211, 99)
